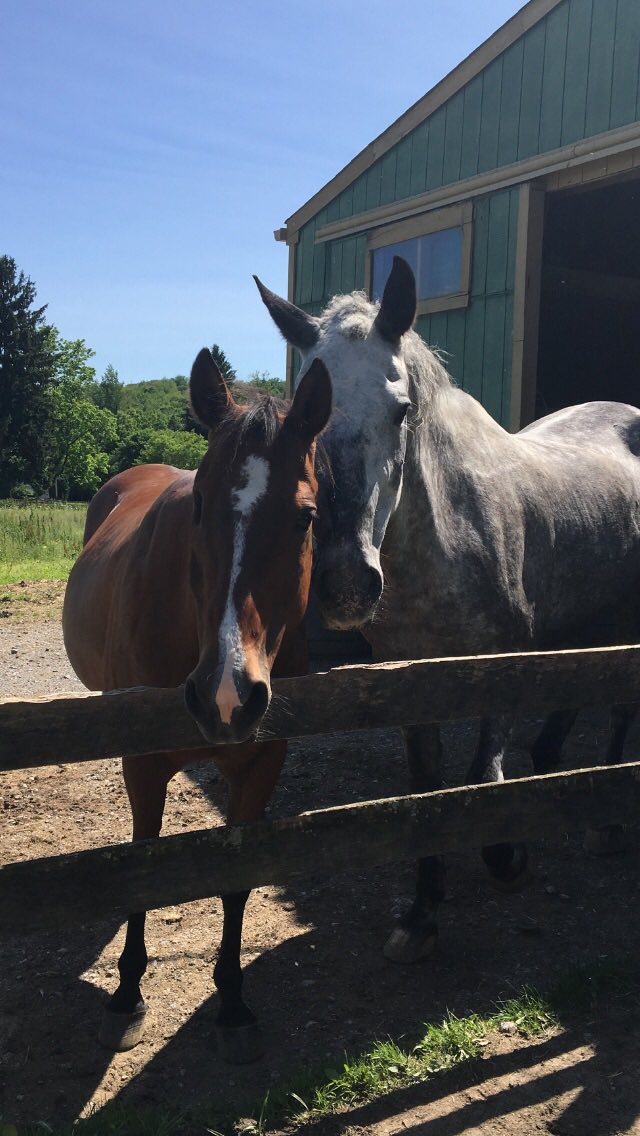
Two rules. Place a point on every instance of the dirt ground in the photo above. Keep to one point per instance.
(312, 954)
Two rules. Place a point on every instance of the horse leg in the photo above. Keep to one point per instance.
(146, 780)
(546, 750)
(507, 863)
(250, 787)
(416, 933)
(610, 839)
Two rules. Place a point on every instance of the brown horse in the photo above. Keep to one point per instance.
(203, 578)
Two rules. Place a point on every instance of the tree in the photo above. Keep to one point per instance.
(79, 438)
(223, 364)
(132, 437)
(79, 434)
(27, 370)
(258, 384)
(109, 391)
(174, 447)
(71, 362)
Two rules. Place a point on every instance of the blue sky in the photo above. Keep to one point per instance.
(150, 149)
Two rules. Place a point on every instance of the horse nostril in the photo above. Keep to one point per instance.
(191, 697)
(257, 702)
(373, 584)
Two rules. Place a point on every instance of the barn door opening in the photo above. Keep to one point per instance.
(589, 322)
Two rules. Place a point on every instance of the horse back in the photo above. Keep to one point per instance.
(127, 615)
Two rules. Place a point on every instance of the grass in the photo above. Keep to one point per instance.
(39, 541)
(387, 1067)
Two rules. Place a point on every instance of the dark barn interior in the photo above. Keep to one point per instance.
(589, 340)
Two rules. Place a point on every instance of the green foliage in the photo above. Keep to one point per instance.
(258, 384)
(174, 447)
(27, 369)
(531, 1012)
(79, 434)
(22, 491)
(62, 432)
(39, 541)
(71, 362)
(109, 391)
(162, 404)
(453, 1041)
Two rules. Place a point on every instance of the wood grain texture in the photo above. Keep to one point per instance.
(73, 889)
(84, 727)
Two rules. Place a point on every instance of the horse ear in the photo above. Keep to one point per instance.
(311, 406)
(299, 329)
(398, 307)
(209, 395)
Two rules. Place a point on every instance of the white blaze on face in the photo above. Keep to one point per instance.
(254, 477)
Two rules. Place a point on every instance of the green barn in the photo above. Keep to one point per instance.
(513, 189)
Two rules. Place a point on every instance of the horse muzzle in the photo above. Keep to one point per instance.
(347, 593)
(227, 716)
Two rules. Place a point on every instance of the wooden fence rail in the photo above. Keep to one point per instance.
(83, 727)
(37, 895)
(111, 882)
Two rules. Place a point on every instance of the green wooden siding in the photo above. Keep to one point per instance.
(572, 75)
(476, 339)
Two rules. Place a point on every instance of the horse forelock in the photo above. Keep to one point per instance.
(353, 315)
(251, 430)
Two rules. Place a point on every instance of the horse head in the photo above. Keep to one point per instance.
(367, 438)
(254, 501)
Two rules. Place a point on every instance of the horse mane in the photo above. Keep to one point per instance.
(353, 315)
(256, 427)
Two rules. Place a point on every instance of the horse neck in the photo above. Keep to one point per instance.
(452, 445)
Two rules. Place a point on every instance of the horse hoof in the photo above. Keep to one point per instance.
(122, 1031)
(406, 946)
(240, 1045)
(607, 841)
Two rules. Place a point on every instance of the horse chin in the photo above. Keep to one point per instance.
(347, 618)
(228, 735)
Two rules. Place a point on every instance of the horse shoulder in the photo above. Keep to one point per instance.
(133, 560)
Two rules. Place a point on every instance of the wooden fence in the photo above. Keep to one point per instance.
(39, 894)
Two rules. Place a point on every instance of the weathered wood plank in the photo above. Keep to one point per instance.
(624, 84)
(532, 64)
(490, 119)
(510, 103)
(419, 151)
(498, 243)
(603, 30)
(493, 355)
(552, 95)
(83, 727)
(435, 157)
(403, 170)
(471, 123)
(453, 139)
(107, 882)
(576, 72)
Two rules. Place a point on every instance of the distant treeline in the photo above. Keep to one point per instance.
(62, 431)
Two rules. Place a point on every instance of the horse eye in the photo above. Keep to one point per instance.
(305, 518)
(401, 412)
(197, 507)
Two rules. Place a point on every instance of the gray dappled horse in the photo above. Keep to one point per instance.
(483, 541)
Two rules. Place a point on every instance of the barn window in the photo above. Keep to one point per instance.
(437, 245)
